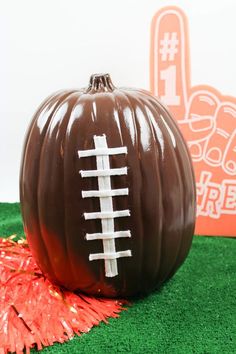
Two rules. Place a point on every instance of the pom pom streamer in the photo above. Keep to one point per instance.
(33, 311)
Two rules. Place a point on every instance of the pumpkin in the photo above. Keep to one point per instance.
(107, 190)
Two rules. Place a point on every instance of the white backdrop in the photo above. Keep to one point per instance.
(49, 45)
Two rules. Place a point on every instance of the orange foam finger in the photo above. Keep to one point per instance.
(169, 66)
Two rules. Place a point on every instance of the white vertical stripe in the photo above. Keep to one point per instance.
(105, 194)
(104, 182)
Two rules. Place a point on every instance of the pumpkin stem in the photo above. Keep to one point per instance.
(100, 82)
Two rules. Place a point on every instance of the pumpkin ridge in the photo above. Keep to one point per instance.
(144, 102)
(26, 145)
(59, 102)
(161, 183)
(137, 140)
(172, 151)
(157, 153)
(44, 104)
(31, 130)
(184, 247)
(151, 103)
(63, 174)
(182, 179)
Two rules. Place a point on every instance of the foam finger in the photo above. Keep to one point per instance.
(169, 59)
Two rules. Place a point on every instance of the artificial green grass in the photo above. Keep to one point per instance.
(195, 312)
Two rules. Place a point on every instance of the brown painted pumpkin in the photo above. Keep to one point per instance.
(107, 190)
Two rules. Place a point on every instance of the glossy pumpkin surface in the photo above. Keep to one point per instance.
(159, 183)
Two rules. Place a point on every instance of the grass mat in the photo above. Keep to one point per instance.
(195, 312)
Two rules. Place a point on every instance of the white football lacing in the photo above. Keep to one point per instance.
(105, 194)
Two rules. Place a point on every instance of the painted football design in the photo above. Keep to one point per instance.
(107, 190)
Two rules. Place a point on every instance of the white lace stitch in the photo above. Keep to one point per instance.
(103, 151)
(107, 214)
(105, 194)
(104, 172)
(108, 235)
